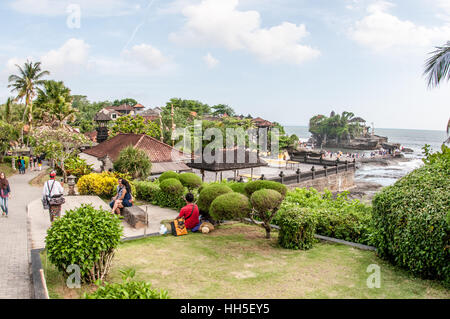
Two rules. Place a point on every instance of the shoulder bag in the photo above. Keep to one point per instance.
(178, 225)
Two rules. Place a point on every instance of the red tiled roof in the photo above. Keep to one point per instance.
(139, 106)
(123, 107)
(262, 122)
(156, 150)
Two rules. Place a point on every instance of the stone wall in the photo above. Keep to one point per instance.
(333, 182)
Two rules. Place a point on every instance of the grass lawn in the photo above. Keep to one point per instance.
(235, 261)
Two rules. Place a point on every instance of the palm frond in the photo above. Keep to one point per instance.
(437, 67)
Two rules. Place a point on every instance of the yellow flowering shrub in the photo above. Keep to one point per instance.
(103, 184)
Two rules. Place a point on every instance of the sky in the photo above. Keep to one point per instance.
(283, 60)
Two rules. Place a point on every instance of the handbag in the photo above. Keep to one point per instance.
(178, 225)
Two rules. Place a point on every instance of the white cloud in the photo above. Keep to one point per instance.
(147, 56)
(72, 55)
(74, 58)
(380, 30)
(210, 61)
(220, 23)
(96, 8)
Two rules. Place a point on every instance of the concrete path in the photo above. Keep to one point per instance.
(39, 219)
(14, 249)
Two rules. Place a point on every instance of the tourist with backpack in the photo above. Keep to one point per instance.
(53, 197)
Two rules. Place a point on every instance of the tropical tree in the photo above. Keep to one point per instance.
(53, 104)
(134, 162)
(222, 109)
(25, 84)
(8, 134)
(135, 124)
(59, 144)
(437, 69)
(127, 101)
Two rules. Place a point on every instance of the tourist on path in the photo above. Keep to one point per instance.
(39, 159)
(22, 164)
(190, 213)
(53, 188)
(5, 193)
(123, 197)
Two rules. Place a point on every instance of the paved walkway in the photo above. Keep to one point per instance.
(39, 219)
(14, 250)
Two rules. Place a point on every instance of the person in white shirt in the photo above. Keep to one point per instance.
(53, 188)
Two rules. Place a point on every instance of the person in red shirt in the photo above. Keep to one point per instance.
(190, 213)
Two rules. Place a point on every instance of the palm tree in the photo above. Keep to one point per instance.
(53, 104)
(6, 116)
(437, 68)
(25, 84)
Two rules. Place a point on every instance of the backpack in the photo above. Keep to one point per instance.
(178, 225)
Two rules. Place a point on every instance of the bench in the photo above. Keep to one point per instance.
(134, 216)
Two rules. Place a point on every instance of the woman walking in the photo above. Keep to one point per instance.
(5, 193)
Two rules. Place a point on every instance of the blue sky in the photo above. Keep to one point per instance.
(284, 60)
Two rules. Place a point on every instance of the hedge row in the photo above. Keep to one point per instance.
(412, 229)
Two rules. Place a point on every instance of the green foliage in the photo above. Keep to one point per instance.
(86, 237)
(163, 199)
(222, 109)
(411, 216)
(54, 104)
(339, 218)
(168, 174)
(151, 192)
(254, 186)
(136, 125)
(146, 190)
(172, 186)
(190, 180)
(230, 206)
(134, 162)
(8, 134)
(266, 200)
(8, 159)
(77, 167)
(340, 127)
(128, 289)
(86, 112)
(127, 101)
(209, 193)
(297, 228)
(238, 187)
(266, 203)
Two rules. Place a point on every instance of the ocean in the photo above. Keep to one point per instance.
(387, 175)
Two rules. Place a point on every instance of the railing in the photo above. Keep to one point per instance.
(314, 173)
(317, 161)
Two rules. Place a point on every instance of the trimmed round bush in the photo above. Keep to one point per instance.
(410, 220)
(146, 190)
(86, 237)
(209, 194)
(168, 174)
(172, 186)
(230, 206)
(297, 228)
(238, 187)
(266, 203)
(254, 186)
(190, 180)
(266, 200)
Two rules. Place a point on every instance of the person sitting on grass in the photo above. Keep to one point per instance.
(190, 213)
(123, 197)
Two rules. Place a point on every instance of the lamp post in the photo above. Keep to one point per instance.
(71, 182)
